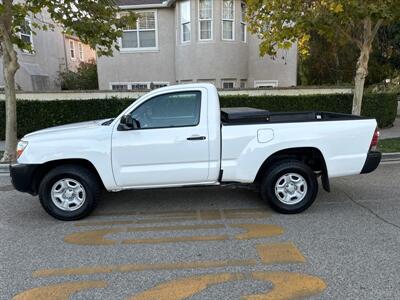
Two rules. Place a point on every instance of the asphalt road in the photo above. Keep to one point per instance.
(210, 243)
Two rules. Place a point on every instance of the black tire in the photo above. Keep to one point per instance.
(84, 177)
(275, 173)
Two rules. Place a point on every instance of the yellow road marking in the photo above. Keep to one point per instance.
(280, 253)
(127, 222)
(97, 237)
(94, 237)
(175, 228)
(177, 239)
(142, 267)
(184, 288)
(62, 291)
(268, 254)
(162, 217)
(256, 231)
(288, 286)
(245, 213)
(143, 213)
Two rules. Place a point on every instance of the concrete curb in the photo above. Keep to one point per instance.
(386, 157)
(391, 157)
(4, 168)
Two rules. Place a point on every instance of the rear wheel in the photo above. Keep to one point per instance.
(289, 186)
(69, 192)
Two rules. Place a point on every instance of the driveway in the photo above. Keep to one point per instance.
(211, 243)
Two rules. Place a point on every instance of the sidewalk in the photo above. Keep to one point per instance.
(393, 132)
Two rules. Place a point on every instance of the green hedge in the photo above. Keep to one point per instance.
(35, 115)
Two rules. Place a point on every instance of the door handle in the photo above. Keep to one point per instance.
(196, 138)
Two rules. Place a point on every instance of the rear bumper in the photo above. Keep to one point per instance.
(22, 177)
(372, 162)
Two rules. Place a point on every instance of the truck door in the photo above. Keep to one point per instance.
(169, 147)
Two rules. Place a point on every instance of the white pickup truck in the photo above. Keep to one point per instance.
(178, 136)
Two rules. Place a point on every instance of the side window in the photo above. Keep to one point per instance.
(169, 110)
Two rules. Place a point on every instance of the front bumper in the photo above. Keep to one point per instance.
(23, 177)
(372, 162)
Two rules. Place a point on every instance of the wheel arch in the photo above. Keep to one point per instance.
(43, 169)
(311, 156)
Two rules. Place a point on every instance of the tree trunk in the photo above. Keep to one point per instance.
(365, 46)
(359, 80)
(10, 67)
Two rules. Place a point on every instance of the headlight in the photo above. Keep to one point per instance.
(21, 147)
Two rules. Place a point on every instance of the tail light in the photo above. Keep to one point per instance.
(375, 140)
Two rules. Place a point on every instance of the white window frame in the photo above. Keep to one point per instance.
(146, 83)
(266, 84)
(223, 81)
(228, 20)
(210, 19)
(81, 52)
(72, 49)
(30, 37)
(243, 23)
(119, 83)
(184, 23)
(130, 83)
(245, 83)
(166, 83)
(142, 49)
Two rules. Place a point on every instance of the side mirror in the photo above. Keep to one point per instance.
(128, 123)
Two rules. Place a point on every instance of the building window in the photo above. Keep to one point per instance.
(80, 49)
(26, 32)
(157, 85)
(205, 20)
(266, 83)
(228, 84)
(119, 87)
(243, 27)
(72, 49)
(126, 86)
(243, 83)
(185, 21)
(228, 12)
(143, 35)
(139, 86)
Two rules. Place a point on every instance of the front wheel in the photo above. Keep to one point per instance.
(69, 192)
(289, 187)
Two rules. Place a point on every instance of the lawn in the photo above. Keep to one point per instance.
(389, 145)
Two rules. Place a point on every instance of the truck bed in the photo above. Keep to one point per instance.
(248, 116)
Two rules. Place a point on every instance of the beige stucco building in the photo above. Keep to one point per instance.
(182, 41)
(53, 53)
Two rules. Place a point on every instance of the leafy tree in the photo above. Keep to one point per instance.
(85, 77)
(328, 62)
(95, 22)
(332, 61)
(281, 23)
